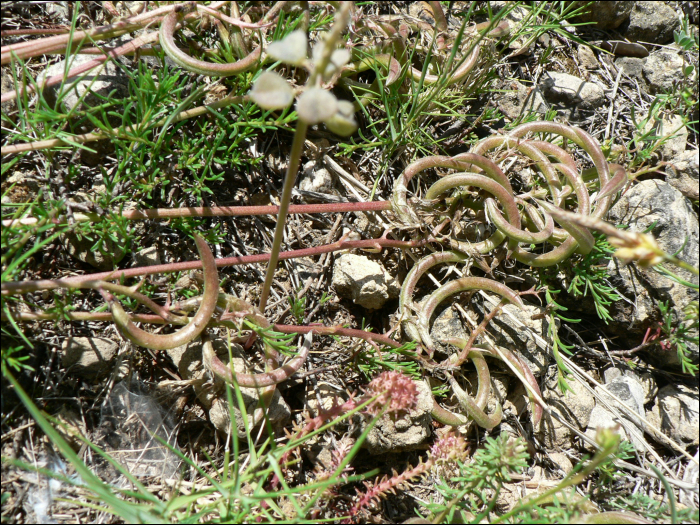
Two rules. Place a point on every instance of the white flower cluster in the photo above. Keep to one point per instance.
(315, 104)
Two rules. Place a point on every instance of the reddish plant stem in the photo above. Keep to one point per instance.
(11, 288)
(337, 330)
(476, 333)
(155, 319)
(234, 211)
(225, 211)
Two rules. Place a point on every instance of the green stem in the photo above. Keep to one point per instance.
(568, 481)
(289, 179)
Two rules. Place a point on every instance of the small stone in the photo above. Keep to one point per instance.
(363, 281)
(571, 90)
(679, 407)
(661, 69)
(190, 365)
(633, 67)
(316, 178)
(405, 433)
(89, 356)
(82, 249)
(575, 406)
(684, 174)
(586, 58)
(606, 15)
(19, 188)
(652, 22)
(521, 339)
(631, 392)
(673, 129)
(520, 100)
(8, 84)
(689, 498)
(562, 461)
(328, 395)
(657, 205)
(147, 257)
(104, 80)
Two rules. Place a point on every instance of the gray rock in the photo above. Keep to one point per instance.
(505, 333)
(571, 90)
(672, 129)
(575, 406)
(190, 365)
(89, 356)
(316, 178)
(147, 257)
(323, 396)
(684, 174)
(82, 249)
(363, 281)
(651, 22)
(60, 10)
(691, 477)
(448, 323)
(661, 69)
(521, 340)
(633, 67)
(645, 379)
(406, 433)
(8, 84)
(630, 391)
(586, 57)
(655, 204)
(679, 407)
(690, 9)
(105, 80)
(606, 15)
(519, 100)
(20, 187)
(562, 460)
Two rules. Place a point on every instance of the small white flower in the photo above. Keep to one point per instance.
(271, 91)
(316, 105)
(291, 49)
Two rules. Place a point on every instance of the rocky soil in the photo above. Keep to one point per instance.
(88, 376)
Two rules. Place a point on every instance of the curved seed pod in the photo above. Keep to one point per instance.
(456, 286)
(578, 186)
(535, 220)
(582, 139)
(557, 255)
(474, 179)
(446, 417)
(582, 235)
(490, 168)
(131, 292)
(493, 187)
(406, 305)
(385, 60)
(167, 41)
(472, 248)
(191, 330)
(473, 410)
(552, 150)
(274, 377)
(515, 233)
(399, 199)
(518, 364)
(459, 74)
(527, 149)
(482, 371)
(615, 184)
